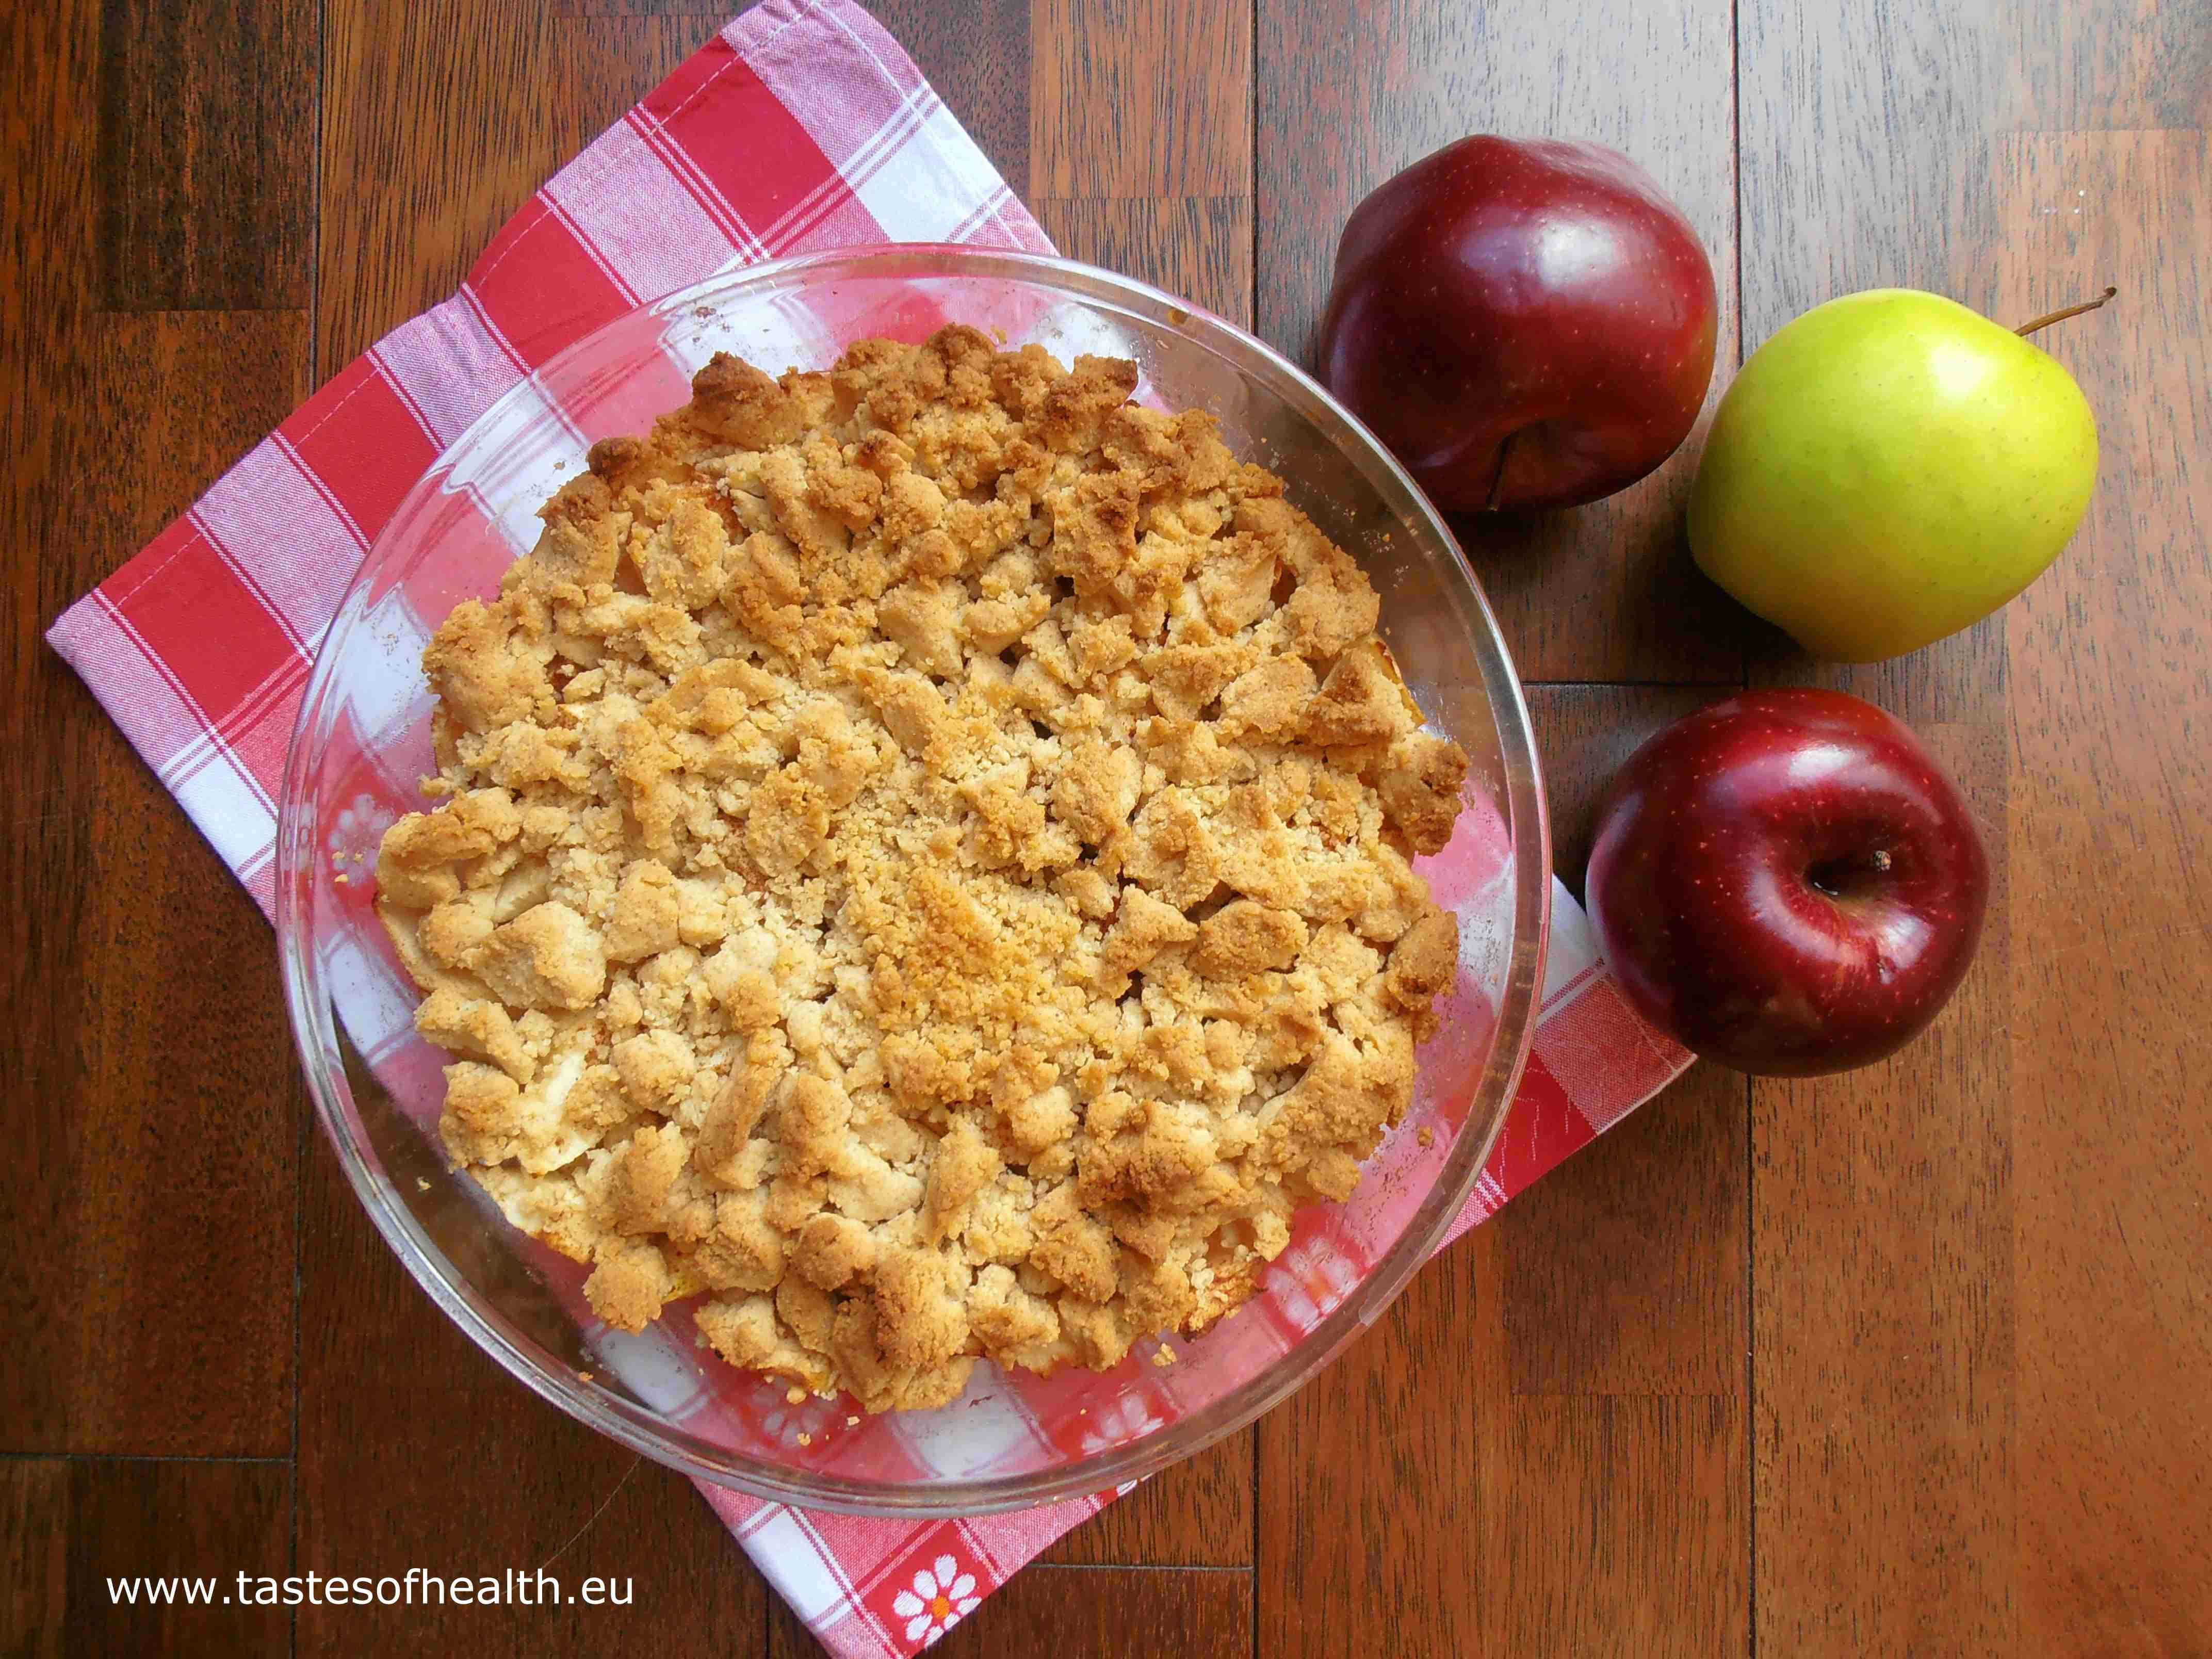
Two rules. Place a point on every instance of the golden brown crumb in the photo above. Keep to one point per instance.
(923, 869)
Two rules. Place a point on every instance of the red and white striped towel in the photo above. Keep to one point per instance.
(802, 126)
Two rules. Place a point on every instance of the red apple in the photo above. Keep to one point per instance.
(1788, 883)
(1527, 323)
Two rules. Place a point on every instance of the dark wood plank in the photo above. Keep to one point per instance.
(162, 1097)
(1085, 1612)
(471, 1473)
(977, 57)
(206, 159)
(1205, 242)
(1350, 92)
(1627, 1272)
(34, 1510)
(49, 86)
(1648, 1562)
(609, 63)
(70, 1529)
(438, 123)
(1140, 146)
(1198, 1514)
(1373, 1488)
(145, 1233)
(1139, 100)
(1883, 1339)
(185, 1192)
(2111, 1057)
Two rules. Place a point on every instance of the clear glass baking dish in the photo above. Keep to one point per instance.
(362, 744)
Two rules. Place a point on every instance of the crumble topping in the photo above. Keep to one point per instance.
(924, 869)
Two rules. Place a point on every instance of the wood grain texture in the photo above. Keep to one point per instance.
(67, 1528)
(1412, 1490)
(608, 63)
(183, 1194)
(160, 1099)
(435, 129)
(205, 174)
(2108, 1051)
(2126, 66)
(48, 746)
(1085, 1612)
(977, 56)
(1628, 1273)
(1646, 1564)
(1141, 161)
(1351, 92)
(1201, 246)
(1197, 1514)
(1374, 1491)
(34, 1533)
(1140, 99)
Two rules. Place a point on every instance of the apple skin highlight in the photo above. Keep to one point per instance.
(1788, 883)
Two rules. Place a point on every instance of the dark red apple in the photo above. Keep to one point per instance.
(1788, 883)
(1527, 323)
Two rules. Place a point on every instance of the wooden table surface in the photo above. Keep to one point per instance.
(1913, 1361)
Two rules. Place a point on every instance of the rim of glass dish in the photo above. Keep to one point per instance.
(319, 1041)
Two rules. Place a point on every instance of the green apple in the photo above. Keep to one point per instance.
(1888, 469)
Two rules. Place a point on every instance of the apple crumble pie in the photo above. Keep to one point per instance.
(923, 869)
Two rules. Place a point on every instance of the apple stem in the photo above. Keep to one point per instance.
(2049, 318)
(1498, 479)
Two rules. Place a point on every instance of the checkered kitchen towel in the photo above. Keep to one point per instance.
(803, 126)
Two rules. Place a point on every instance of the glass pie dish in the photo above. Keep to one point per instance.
(362, 743)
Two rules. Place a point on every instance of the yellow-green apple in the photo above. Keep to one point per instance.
(1888, 469)
(1787, 882)
(1527, 323)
